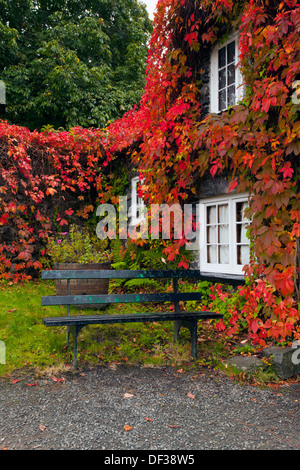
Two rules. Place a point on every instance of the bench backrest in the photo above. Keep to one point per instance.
(174, 296)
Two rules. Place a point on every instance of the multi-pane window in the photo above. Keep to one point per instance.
(224, 246)
(217, 234)
(242, 241)
(226, 76)
(137, 203)
(226, 80)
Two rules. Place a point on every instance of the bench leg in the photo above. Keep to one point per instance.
(74, 329)
(192, 326)
(68, 337)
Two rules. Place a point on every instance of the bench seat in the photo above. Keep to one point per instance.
(181, 319)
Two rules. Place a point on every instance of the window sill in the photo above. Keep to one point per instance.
(234, 279)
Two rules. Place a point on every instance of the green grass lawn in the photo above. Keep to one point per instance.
(28, 343)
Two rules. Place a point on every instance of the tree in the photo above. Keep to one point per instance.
(72, 63)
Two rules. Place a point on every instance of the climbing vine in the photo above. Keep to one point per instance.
(173, 142)
(47, 180)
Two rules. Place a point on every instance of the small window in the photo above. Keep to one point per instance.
(226, 80)
(224, 246)
(137, 203)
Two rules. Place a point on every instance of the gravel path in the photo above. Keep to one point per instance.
(162, 409)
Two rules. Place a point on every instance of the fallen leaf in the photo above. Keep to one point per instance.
(128, 395)
(174, 426)
(148, 419)
(55, 379)
(12, 310)
(32, 385)
(42, 427)
(4, 448)
(191, 396)
(15, 381)
(127, 427)
(180, 371)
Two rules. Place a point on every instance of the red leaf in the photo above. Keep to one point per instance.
(232, 185)
(284, 281)
(69, 211)
(220, 326)
(254, 325)
(55, 379)
(63, 222)
(192, 37)
(25, 255)
(287, 170)
(3, 219)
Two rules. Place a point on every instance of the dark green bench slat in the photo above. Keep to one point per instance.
(122, 274)
(143, 274)
(128, 318)
(119, 298)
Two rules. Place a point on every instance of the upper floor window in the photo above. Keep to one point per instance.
(226, 80)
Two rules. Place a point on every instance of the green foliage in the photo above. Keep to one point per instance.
(244, 349)
(133, 256)
(71, 63)
(130, 257)
(144, 254)
(141, 255)
(78, 245)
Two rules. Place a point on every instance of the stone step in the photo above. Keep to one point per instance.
(286, 361)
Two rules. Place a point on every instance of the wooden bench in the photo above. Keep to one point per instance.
(181, 318)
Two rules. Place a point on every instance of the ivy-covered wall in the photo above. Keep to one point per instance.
(255, 143)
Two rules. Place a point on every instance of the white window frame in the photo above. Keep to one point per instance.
(137, 211)
(232, 267)
(214, 75)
